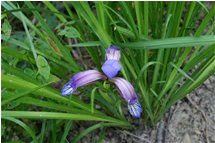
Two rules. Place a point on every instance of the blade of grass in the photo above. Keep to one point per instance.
(161, 57)
(207, 18)
(144, 68)
(86, 131)
(23, 125)
(62, 116)
(11, 51)
(24, 93)
(54, 10)
(181, 71)
(188, 18)
(129, 16)
(67, 127)
(127, 33)
(16, 72)
(102, 135)
(100, 10)
(50, 105)
(206, 72)
(29, 38)
(203, 25)
(139, 15)
(201, 56)
(171, 42)
(204, 7)
(145, 32)
(118, 15)
(177, 18)
(92, 99)
(43, 131)
(53, 131)
(90, 129)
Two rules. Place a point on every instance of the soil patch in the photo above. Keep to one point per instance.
(191, 120)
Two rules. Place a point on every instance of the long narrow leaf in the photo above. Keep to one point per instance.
(171, 43)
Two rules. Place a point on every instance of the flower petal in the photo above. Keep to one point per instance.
(81, 79)
(111, 68)
(87, 77)
(126, 89)
(113, 53)
(128, 93)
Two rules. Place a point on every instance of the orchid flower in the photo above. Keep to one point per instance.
(110, 68)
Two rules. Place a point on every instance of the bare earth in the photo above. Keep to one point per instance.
(191, 120)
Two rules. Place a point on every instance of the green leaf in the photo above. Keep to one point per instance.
(24, 93)
(23, 125)
(62, 116)
(181, 71)
(67, 127)
(43, 67)
(93, 98)
(86, 44)
(171, 42)
(69, 32)
(30, 72)
(6, 29)
(86, 131)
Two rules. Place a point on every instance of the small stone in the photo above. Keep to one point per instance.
(197, 132)
(186, 139)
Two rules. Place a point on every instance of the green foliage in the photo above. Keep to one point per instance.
(168, 50)
(6, 29)
(69, 32)
(43, 67)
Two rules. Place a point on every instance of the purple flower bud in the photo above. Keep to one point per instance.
(81, 79)
(111, 68)
(113, 53)
(128, 93)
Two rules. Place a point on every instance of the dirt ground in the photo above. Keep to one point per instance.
(191, 120)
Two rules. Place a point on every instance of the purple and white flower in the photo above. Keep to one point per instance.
(128, 93)
(81, 79)
(112, 66)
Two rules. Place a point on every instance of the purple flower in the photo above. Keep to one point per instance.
(128, 93)
(112, 66)
(81, 79)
